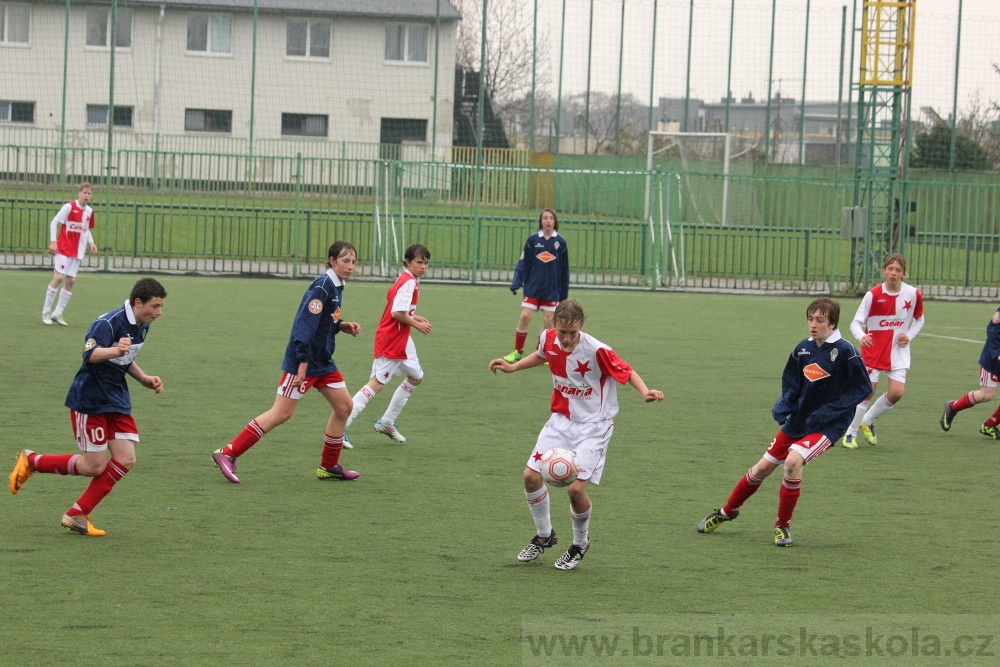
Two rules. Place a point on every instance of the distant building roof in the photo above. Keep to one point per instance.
(392, 9)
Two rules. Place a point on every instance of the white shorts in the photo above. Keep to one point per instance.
(68, 266)
(898, 374)
(588, 439)
(987, 379)
(383, 369)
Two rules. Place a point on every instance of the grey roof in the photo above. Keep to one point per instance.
(392, 9)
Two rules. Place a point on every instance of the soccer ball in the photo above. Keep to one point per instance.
(558, 466)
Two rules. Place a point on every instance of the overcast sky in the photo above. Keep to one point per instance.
(934, 51)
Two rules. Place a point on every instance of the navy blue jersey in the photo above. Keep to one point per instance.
(316, 323)
(100, 388)
(543, 268)
(991, 350)
(821, 387)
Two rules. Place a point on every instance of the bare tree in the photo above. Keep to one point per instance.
(979, 123)
(509, 34)
(612, 124)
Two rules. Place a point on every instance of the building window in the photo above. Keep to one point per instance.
(14, 22)
(99, 28)
(17, 112)
(406, 43)
(395, 131)
(210, 33)
(307, 39)
(97, 116)
(208, 120)
(303, 125)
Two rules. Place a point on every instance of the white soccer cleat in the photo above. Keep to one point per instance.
(390, 430)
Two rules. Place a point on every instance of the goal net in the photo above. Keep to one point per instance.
(710, 166)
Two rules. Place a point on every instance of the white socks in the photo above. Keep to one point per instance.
(64, 298)
(538, 503)
(360, 399)
(50, 298)
(859, 414)
(581, 527)
(882, 406)
(399, 399)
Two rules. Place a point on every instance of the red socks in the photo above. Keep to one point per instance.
(63, 464)
(519, 338)
(246, 439)
(788, 495)
(332, 446)
(99, 487)
(746, 487)
(963, 403)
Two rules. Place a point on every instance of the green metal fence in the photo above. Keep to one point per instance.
(233, 213)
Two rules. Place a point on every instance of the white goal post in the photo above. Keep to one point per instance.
(680, 137)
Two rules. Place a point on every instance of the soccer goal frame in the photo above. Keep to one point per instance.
(651, 153)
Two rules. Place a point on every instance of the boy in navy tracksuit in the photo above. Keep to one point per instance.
(543, 271)
(989, 377)
(823, 382)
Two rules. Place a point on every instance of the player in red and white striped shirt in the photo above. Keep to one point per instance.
(887, 321)
(70, 235)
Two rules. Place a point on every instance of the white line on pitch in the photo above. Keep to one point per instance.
(964, 340)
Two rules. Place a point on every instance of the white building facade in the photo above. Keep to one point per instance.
(317, 77)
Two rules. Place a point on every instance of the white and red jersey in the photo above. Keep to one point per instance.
(585, 381)
(886, 315)
(391, 336)
(70, 229)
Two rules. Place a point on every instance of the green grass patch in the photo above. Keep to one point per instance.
(414, 564)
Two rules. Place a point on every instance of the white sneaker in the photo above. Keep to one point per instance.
(347, 444)
(390, 430)
(46, 318)
(58, 319)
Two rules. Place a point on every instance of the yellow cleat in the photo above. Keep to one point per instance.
(22, 471)
(868, 431)
(81, 524)
(513, 357)
(849, 442)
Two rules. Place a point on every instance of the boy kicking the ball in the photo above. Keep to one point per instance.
(823, 381)
(584, 404)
